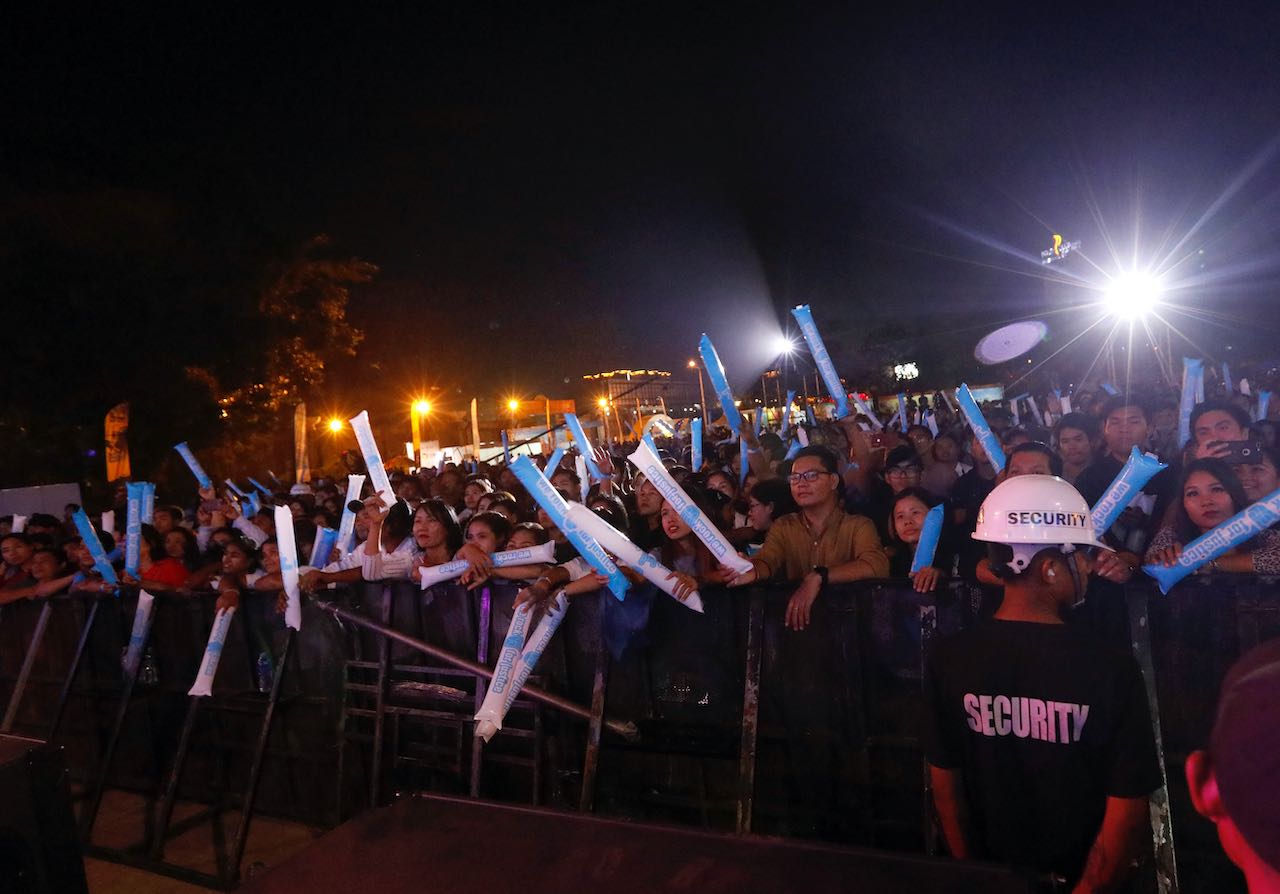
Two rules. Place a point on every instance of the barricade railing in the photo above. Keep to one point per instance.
(820, 726)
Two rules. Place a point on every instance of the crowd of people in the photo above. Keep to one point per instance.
(849, 506)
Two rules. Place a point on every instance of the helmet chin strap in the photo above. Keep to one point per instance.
(1077, 582)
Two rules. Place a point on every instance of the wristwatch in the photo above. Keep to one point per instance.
(822, 573)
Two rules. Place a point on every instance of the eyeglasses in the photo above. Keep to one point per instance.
(811, 475)
(901, 472)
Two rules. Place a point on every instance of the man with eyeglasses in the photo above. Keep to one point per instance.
(821, 543)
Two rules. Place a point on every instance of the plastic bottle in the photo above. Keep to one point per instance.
(266, 673)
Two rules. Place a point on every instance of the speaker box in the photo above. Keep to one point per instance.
(39, 846)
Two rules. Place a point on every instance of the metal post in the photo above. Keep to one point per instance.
(750, 711)
(56, 722)
(384, 672)
(626, 730)
(28, 661)
(482, 656)
(94, 801)
(259, 753)
(591, 763)
(1161, 816)
(175, 776)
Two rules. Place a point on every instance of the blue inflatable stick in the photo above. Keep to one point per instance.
(822, 359)
(927, 546)
(786, 410)
(1208, 546)
(555, 506)
(202, 477)
(553, 463)
(1138, 469)
(148, 502)
(326, 539)
(695, 444)
(1192, 387)
(584, 446)
(720, 384)
(981, 429)
(90, 538)
(133, 527)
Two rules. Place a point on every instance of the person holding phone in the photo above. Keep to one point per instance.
(1216, 426)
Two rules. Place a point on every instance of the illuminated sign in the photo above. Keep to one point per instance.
(1059, 251)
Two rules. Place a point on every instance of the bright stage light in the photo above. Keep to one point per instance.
(422, 407)
(1132, 296)
(335, 425)
(783, 345)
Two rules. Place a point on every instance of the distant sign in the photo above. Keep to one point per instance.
(1059, 251)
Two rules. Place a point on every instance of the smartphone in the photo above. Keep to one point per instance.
(1241, 453)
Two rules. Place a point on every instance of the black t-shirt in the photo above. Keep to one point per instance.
(969, 492)
(1044, 724)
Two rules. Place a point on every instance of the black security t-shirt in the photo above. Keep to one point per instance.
(1045, 724)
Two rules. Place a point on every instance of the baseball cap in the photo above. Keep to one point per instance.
(1245, 748)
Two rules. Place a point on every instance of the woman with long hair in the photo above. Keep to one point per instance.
(1210, 494)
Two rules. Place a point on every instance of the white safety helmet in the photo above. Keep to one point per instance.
(1030, 513)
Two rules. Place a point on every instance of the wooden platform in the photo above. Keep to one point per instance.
(438, 844)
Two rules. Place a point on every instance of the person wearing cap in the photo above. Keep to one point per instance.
(1234, 784)
(1039, 738)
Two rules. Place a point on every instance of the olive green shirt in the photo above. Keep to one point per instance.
(793, 550)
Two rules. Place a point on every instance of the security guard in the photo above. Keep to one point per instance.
(1040, 744)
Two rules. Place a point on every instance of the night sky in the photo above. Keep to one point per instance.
(563, 190)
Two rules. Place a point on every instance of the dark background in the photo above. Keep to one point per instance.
(555, 191)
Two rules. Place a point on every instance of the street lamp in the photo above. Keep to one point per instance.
(417, 411)
(702, 393)
(513, 405)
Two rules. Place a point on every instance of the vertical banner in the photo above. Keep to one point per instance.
(475, 429)
(715, 372)
(289, 567)
(301, 467)
(822, 359)
(117, 442)
(347, 527)
(1192, 393)
(133, 527)
(695, 443)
